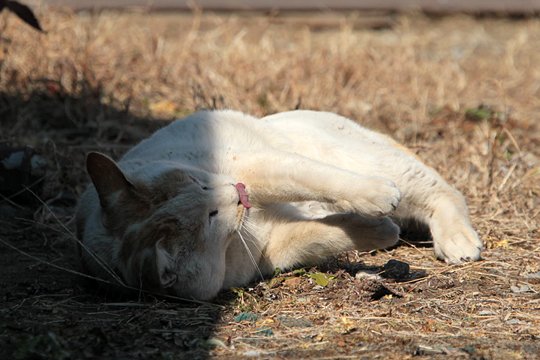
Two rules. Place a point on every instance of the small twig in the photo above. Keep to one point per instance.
(11, 202)
(100, 261)
(513, 140)
(11, 196)
(74, 272)
(503, 182)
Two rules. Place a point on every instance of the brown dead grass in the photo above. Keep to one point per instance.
(93, 78)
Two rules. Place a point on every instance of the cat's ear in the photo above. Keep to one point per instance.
(106, 176)
(165, 264)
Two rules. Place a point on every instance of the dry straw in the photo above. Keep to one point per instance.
(463, 93)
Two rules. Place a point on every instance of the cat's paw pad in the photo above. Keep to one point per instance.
(459, 246)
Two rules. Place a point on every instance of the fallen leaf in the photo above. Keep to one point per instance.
(246, 316)
(501, 244)
(486, 313)
(348, 325)
(163, 107)
(320, 278)
(288, 321)
(430, 350)
(275, 282)
(535, 275)
(520, 289)
(292, 281)
(479, 113)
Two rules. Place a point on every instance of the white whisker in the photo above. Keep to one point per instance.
(251, 227)
(252, 237)
(250, 255)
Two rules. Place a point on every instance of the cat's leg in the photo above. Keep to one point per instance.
(429, 199)
(308, 242)
(426, 196)
(286, 177)
(454, 239)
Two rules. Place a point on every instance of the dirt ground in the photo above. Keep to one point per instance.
(461, 92)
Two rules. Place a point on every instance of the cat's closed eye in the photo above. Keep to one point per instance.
(213, 213)
(198, 182)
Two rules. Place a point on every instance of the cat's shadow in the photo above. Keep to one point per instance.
(62, 126)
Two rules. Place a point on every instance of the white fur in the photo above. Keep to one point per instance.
(320, 184)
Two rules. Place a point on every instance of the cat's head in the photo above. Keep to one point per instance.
(169, 225)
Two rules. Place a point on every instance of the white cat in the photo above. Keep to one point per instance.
(172, 216)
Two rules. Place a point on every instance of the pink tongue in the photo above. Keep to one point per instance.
(244, 197)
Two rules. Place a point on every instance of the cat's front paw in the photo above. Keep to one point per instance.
(379, 198)
(458, 244)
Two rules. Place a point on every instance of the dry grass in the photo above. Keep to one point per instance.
(463, 93)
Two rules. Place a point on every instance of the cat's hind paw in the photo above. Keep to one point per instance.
(458, 245)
